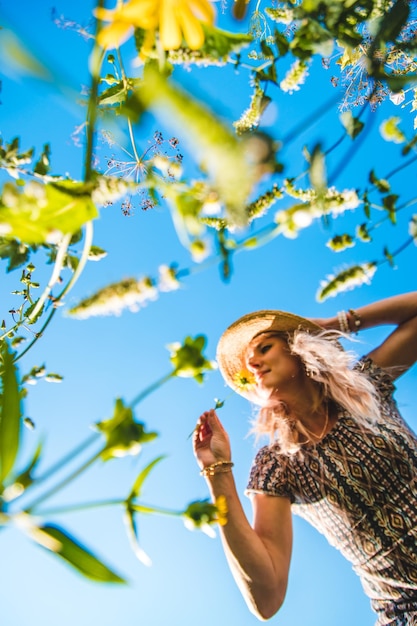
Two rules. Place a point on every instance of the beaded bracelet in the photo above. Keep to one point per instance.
(357, 321)
(217, 468)
(343, 322)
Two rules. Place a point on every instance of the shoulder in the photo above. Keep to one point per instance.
(382, 379)
(268, 473)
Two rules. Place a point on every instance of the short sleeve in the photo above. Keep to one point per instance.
(381, 378)
(268, 474)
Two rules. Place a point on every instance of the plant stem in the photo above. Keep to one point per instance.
(143, 394)
(96, 60)
(66, 459)
(64, 482)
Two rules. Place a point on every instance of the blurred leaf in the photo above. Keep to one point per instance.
(352, 124)
(79, 557)
(390, 131)
(389, 257)
(188, 359)
(389, 26)
(17, 56)
(362, 232)
(389, 203)
(380, 183)
(349, 278)
(133, 536)
(25, 478)
(123, 435)
(340, 242)
(43, 163)
(17, 253)
(317, 172)
(10, 423)
(137, 485)
(40, 212)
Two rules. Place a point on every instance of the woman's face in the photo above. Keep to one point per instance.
(272, 364)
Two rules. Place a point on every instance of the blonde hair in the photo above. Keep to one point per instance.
(326, 363)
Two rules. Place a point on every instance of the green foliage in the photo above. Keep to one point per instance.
(59, 542)
(10, 414)
(188, 359)
(124, 436)
(40, 213)
(370, 46)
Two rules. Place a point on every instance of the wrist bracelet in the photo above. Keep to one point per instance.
(343, 322)
(357, 321)
(217, 468)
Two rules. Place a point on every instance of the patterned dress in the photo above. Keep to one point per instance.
(358, 487)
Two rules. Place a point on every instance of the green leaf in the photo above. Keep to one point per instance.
(10, 414)
(389, 256)
(352, 124)
(317, 172)
(79, 557)
(389, 203)
(380, 183)
(123, 435)
(340, 242)
(362, 233)
(392, 22)
(137, 485)
(25, 478)
(188, 359)
(40, 212)
(17, 253)
(133, 536)
(29, 310)
(43, 163)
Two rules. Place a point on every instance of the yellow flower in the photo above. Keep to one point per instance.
(175, 19)
(243, 380)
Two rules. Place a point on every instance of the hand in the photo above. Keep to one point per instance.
(210, 441)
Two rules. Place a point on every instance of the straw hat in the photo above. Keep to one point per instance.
(234, 342)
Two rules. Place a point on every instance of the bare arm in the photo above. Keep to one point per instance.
(258, 556)
(400, 348)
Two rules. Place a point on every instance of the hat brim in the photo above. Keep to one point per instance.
(232, 346)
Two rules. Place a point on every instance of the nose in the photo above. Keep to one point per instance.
(252, 361)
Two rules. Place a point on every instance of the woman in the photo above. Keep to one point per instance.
(340, 455)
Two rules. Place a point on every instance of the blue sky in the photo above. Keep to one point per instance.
(109, 357)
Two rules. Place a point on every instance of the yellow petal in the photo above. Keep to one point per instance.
(203, 9)
(141, 13)
(114, 35)
(191, 27)
(169, 28)
(107, 15)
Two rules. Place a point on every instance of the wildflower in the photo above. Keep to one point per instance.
(168, 280)
(244, 379)
(352, 277)
(173, 18)
(295, 77)
(390, 132)
(114, 298)
(188, 359)
(202, 514)
(123, 435)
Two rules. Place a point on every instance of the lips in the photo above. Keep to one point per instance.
(260, 375)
